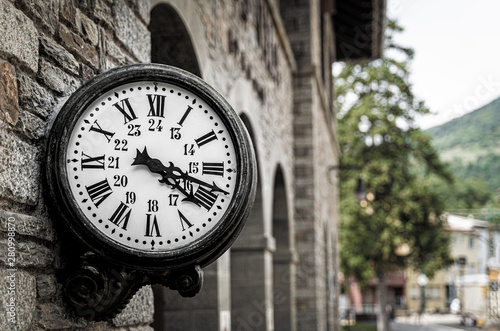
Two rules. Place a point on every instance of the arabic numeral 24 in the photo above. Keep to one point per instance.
(155, 126)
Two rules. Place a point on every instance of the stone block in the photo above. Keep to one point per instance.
(140, 309)
(87, 72)
(31, 126)
(9, 105)
(45, 11)
(101, 11)
(17, 296)
(88, 29)
(143, 8)
(18, 36)
(131, 31)
(76, 45)
(34, 98)
(56, 79)
(116, 53)
(19, 170)
(54, 317)
(46, 286)
(67, 11)
(58, 53)
(28, 254)
(27, 225)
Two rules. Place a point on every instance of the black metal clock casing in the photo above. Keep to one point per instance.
(150, 168)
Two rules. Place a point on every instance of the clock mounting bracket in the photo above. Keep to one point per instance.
(98, 290)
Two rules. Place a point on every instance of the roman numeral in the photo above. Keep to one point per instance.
(152, 226)
(184, 220)
(121, 215)
(90, 162)
(156, 105)
(216, 169)
(99, 191)
(186, 113)
(98, 129)
(205, 197)
(205, 139)
(126, 109)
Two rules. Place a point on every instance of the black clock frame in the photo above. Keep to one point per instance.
(179, 268)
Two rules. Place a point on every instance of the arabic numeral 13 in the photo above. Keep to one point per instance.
(175, 133)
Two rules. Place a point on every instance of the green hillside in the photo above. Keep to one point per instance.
(471, 144)
(478, 129)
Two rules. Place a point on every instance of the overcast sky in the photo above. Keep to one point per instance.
(457, 53)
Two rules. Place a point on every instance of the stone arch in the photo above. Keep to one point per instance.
(255, 221)
(251, 266)
(171, 42)
(283, 259)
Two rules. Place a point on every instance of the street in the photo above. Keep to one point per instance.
(427, 322)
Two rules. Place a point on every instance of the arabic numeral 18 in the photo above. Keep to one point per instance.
(152, 206)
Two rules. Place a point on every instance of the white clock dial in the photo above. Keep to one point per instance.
(151, 166)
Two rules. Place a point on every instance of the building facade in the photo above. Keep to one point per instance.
(271, 59)
(474, 243)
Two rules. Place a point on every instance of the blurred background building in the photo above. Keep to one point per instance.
(475, 245)
(271, 59)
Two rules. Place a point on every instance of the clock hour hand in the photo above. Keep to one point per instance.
(154, 165)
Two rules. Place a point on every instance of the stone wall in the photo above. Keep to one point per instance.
(47, 49)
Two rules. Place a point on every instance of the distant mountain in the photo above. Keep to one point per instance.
(471, 144)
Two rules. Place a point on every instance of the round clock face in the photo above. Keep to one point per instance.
(150, 165)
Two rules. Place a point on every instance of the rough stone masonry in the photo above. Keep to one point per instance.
(48, 48)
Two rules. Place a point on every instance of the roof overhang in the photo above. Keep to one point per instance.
(359, 29)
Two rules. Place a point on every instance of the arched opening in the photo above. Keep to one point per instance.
(170, 41)
(283, 260)
(251, 268)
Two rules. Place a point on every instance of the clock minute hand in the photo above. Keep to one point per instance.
(213, 187)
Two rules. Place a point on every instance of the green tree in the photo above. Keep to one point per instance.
(397, 224)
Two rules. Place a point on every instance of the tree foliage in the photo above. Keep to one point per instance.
(381, 144)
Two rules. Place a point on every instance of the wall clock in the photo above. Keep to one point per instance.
(150, 169)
